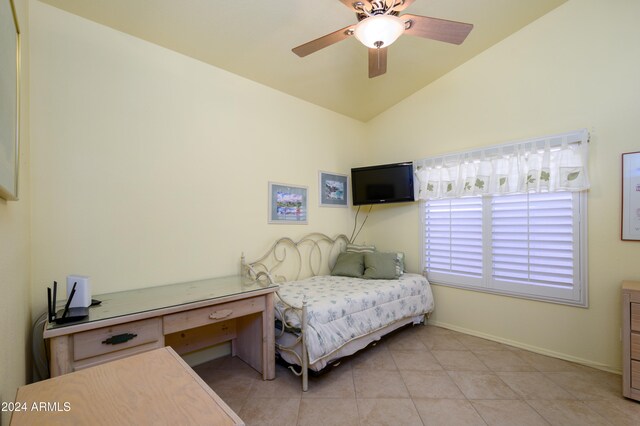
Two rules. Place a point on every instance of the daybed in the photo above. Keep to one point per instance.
(321, 318)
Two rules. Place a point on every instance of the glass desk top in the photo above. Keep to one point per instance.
(152, 298)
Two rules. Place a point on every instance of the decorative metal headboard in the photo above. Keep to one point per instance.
(289, 260)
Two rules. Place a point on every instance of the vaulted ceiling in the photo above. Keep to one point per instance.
(254, 38)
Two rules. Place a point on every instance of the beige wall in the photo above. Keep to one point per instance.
(15, 311)
(576, 67)
(150, 167)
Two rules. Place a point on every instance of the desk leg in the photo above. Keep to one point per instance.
(255, 341)
(60, 348)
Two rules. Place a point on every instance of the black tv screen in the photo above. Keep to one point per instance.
(387, 183)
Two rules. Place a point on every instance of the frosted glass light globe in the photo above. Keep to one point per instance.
(381, 28)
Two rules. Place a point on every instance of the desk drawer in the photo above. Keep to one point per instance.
(95, 342)
(212, 314)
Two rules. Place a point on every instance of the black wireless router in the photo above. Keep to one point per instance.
(67, 314)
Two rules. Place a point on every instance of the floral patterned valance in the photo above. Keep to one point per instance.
(552, 163)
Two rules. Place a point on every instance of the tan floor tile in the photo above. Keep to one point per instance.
(508, 413)
(588, 386)
(482, 385)
(267, 411)
(374, 358)
(477, 344)
(379, 384)
(430, 331)
(235, 404)
(406, 339)
(531, 385)
(431, 384)
(503, 386)
(546, 363)
(567, 413)
(504, 360)
(459, 361)
(390, 412)
(447, 412)
(328, 412)
(415, 360)
(337, 383)
(285, 385)
(230, 383)
(621, 412)
(435, 330)
(226, 363)
(213, 368)
(510, 348)
(442, 342)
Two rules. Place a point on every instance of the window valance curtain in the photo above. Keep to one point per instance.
(551, 163)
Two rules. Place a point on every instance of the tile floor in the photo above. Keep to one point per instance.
(425, 375)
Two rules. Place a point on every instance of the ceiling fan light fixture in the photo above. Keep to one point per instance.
(379, 30)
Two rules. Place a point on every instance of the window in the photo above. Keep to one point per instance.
(528, 245)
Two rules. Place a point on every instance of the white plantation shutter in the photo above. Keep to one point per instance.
(453, 238)
(534, 244)
(530, 245)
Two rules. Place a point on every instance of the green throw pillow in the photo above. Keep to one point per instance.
(355, 248)
(349, 265)
(400, 263)
(381, 266)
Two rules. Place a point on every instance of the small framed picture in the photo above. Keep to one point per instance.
(287, 204)
(9, 101)
(333, 189)
(631, 196)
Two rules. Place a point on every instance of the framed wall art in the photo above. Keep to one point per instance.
(9, 100)
(287, 204)
(631, 196)
(333, 189)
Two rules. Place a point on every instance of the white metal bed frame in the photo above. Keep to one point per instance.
(271, 267)
(308, 255)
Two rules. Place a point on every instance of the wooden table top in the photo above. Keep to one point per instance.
(155, 387)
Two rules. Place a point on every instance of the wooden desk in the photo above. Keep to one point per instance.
(155, 387)
(186, 316)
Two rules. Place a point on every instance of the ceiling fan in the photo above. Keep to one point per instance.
(379, 25)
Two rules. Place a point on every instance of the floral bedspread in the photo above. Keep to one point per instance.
(341, 309)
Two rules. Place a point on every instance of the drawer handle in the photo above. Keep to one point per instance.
(119, 338)
(220, 314)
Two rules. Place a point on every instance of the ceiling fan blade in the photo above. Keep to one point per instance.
(324, 41)
(377, 61)
(437, 29)
(405, 4)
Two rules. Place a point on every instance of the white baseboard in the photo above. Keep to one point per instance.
(535, 349)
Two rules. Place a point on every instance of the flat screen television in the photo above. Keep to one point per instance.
(387, 183)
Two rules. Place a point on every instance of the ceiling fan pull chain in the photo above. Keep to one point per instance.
(378, 45)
